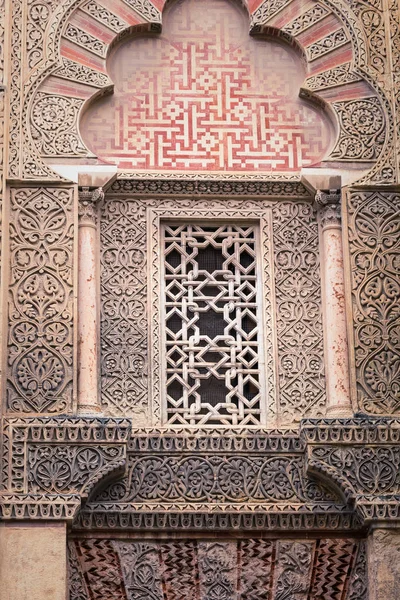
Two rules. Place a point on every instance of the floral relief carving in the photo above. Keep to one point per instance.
(125, 376)
(84, 39)
(308, 18)
(40, 338)
(327, 44)
(54, 125)
(51, 463)
(104, 15)
(332, 78)
(374, 245)
(67, 469)
(146, 9)
(75, 71)
(213, 480)
(298, 312)
(362, 132)
(368, 470)
(253, 568)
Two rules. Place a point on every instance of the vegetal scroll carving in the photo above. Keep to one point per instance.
(54, 119)
(51, 464)
(40, 338)
(374, 243)
(362, 131)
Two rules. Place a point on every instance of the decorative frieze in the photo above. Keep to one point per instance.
(215, 570)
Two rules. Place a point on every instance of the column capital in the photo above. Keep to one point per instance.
(328, 204)
(87, 207)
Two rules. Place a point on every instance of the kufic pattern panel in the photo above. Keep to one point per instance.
(206, 96)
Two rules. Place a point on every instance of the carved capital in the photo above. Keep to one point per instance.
(87, 209)
(50, 465)
(328, 207)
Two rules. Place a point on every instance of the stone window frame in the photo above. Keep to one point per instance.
(263, 220)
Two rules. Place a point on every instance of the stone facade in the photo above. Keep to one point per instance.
(200, 355)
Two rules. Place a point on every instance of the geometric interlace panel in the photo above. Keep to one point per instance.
(213, 325)
(206, 96)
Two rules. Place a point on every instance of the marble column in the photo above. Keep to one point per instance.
(33, 561)
(88, 307)
(334, 309)
(383, 557)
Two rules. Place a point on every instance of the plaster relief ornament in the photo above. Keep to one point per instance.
(206, 96)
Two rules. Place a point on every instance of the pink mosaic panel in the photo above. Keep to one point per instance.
(204, 95)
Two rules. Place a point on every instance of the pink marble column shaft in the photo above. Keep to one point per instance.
(88, 323)
(334, 309)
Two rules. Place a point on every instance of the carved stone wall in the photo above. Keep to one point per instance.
(40, 339)
(260, 569)
(131, 367)
(58, 55)
(374, 265)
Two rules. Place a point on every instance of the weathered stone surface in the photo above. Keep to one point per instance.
(33, 561)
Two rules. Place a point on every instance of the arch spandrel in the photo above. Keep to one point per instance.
(337, 77)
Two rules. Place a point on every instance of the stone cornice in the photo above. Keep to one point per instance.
(331, 474)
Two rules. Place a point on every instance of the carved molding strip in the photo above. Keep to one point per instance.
(333, 77)
(162, 183)
(40, 319)
(329, 43)
(84, 39)
(74, 71)
(374, 246)
(103, 15)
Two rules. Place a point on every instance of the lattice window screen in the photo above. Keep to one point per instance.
(213, 325)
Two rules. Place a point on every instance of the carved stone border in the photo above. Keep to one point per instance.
(50, 465)
(361, 457)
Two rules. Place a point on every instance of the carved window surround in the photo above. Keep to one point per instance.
(131, 332)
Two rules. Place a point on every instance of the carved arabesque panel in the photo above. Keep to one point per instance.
(298, 312)
(40, 318)
(217, 570)
(374, 244)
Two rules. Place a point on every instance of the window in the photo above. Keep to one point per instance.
(212, 300)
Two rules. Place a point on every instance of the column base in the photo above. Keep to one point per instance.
(89, 410)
